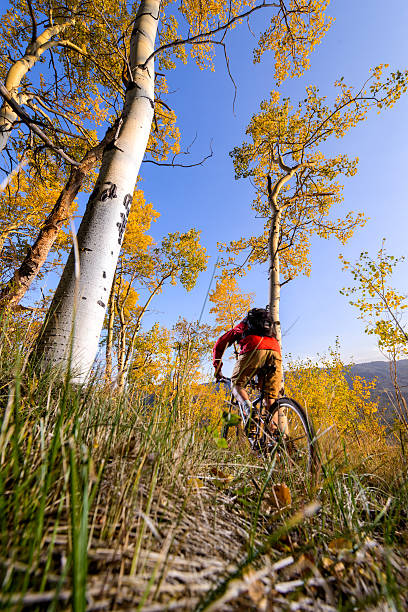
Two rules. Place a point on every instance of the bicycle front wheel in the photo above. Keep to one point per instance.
(290, 434)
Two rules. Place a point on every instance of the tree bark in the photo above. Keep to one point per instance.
(13, 291)
(273, 241)
(274, 274)
(72, 330)
(273, 256)
(109, 337)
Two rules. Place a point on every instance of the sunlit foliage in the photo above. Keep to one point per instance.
(230, 304)
(286, 144)
(340, 403)
(379, 304)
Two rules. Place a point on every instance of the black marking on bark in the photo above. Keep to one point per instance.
(26, 269)
(149, 14)
(104, 274)
(84, 298)
(131, 85)
(109, 193)
(127, 200)
(94, 193)
(82, 249)
(111, 146)
(150, 100)
(143, 67)
(121, 226)
(101, 303)
(111, 252)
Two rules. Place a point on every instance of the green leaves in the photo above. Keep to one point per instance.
(221, 442)
(231, 419)
(379, 304)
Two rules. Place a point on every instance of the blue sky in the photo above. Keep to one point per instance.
(313, 312)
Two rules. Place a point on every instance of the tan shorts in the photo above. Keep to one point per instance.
(249, 363)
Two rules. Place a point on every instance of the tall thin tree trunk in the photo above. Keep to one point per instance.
(274, 273)
(274, 298)
(109, 338)
(124, 364)
(13, 291)
(78, 309)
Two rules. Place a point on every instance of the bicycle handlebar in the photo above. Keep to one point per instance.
(224, 379)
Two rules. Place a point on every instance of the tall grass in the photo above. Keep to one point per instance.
(103, 495)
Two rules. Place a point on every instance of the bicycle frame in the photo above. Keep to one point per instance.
(268, 434)
(256, 403)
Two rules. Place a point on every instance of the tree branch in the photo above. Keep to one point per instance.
(198, 37)
(33, 127)
(173, 165)
(33, 21)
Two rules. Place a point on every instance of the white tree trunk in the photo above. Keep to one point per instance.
(77, 311)
(274, 273)
(274, 299)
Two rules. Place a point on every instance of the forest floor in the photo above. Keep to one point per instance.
(109, 505)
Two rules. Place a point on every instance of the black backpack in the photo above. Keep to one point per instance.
(259, 323)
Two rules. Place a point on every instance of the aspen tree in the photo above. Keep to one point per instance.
(61, 100)
(84, 288)
(38, 45)
(230, 304)
(21, 212)
(296, 183)
(379, 304)
(178, 259)
(383, 309)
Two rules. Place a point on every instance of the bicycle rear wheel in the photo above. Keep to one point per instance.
(297, 446)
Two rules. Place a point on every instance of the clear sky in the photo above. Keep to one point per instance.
(313, 312)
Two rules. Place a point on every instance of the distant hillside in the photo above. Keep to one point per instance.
(385, 389)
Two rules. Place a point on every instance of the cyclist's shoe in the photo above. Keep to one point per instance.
(277, 438)
(246, 408)
(289, 445)
(257, 446)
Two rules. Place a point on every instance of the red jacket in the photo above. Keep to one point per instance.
(247, 343)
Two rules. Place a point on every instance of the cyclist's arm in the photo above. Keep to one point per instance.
(222, 343)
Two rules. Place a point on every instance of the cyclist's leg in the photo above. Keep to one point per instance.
(272, 386)
(245, 368)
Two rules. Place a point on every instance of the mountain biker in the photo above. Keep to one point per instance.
(259, 348)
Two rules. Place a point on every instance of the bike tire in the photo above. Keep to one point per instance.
(299, 449)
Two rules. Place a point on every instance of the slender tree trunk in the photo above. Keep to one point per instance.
(274, 298)
(109, 338)
(121, 341)
(273, 242)
(13, 291)
(77, 311)
(274, 272)
(124, 364)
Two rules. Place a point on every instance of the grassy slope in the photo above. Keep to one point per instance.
(105, 504)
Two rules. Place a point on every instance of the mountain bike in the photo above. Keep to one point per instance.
(285, 431)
